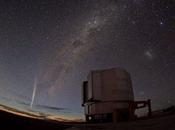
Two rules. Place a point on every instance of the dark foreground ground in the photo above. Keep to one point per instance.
(13, 122)
(9, 121)
(166, 122)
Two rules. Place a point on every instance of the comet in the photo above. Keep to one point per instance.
(34, 91)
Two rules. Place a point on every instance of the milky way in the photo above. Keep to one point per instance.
(61, 41)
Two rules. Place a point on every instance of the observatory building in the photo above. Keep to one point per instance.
(107, 96)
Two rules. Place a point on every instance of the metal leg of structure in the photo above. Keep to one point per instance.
(149, 108)
(114, 116)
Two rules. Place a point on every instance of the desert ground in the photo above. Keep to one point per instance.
(159, 123)
(10, 120)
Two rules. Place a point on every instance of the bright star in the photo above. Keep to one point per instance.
(148, 54)
(161, 23)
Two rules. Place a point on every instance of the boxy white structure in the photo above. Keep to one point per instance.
(105, 92)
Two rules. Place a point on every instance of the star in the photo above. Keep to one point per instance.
(133, 22)
(148, 54)
(161, 23)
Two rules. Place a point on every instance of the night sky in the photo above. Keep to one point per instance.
(58, 42)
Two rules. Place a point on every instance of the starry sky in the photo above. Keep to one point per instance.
(58, 42)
